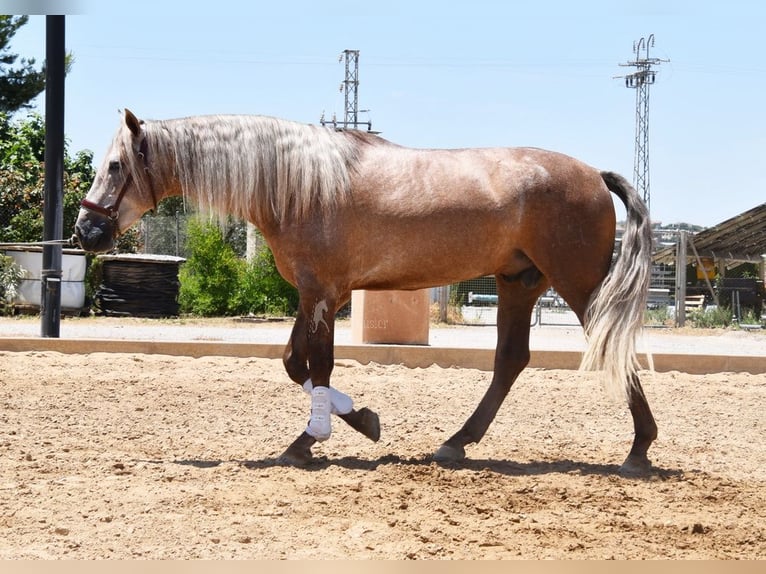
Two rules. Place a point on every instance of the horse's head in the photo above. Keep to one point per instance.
(121, 192)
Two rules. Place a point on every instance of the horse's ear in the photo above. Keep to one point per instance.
(133, 123)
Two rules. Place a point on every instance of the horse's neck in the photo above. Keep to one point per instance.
(286, 171)
(198, 181)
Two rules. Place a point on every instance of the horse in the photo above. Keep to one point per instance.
(344, 210)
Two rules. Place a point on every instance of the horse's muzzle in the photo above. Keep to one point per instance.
(94, 233)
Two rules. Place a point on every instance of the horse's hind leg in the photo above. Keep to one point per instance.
(516, 299)
(637, 462)
(645, 432)
(296, 362)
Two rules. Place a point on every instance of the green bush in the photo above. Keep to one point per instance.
(209, 276)
(262, 290)
(216, 282)
(10, 279)
(658, 317)
(751, 317)
(710, 317)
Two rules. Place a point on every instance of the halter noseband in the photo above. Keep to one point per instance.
(112, 212)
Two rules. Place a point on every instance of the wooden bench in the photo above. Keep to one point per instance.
(694, 302)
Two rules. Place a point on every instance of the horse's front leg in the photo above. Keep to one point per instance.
(295, 359)
(308, 360)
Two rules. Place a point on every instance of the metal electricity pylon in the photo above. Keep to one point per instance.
(350, 89)
(640, 80)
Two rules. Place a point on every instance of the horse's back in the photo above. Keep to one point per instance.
(427, 217)
(418, 181)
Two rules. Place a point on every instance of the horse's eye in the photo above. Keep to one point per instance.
(114, 166)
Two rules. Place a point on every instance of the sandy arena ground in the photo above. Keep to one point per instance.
(152, 456)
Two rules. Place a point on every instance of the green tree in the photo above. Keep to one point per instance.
(20, 81)
(22, 172)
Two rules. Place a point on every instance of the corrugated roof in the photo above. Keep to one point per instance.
(741, 238)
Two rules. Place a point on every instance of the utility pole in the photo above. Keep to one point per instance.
(350, 89)
(640, 80)
(53, 210)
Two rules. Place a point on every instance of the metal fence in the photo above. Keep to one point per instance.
(167, 235)
(163, 235)
(476, 300)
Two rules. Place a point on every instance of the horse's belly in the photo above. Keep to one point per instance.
(420, 261)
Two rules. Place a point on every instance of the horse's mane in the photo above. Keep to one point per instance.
(259, 168)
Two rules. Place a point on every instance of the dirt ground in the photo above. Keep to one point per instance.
(151, 456)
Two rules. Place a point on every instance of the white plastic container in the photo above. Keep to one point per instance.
(73, 267)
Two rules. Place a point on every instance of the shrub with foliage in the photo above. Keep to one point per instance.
(710, 317)
(262, 290)
(658, 317)
(209, 276)
(216, 282)
(11, 275)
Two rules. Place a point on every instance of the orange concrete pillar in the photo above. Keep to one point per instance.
(390, 317)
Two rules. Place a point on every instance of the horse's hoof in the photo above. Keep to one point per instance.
(449, 453)
(365, 421)
(636, 465)
(369, 424)
(298, 453)
(292, 458)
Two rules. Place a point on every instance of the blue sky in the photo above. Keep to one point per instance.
(447, 74)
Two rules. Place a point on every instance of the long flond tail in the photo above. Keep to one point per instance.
(615, 314)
